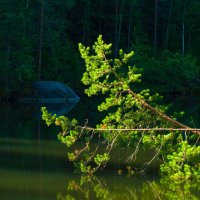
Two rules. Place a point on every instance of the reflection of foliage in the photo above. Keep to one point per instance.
(187, 190)
(88, 187)
(127, 113)
(91, 187)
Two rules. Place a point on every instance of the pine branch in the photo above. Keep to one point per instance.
(162, 115)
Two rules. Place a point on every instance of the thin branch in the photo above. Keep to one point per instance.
(155, 156)
(113, 141)
(193, 130)
(134, 154)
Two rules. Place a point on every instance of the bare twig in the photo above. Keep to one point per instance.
(133, 155)
(193, 130)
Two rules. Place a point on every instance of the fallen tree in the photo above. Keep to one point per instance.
(133, 119)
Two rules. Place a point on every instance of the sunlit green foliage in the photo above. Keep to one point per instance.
(182, 163)
(117, 79)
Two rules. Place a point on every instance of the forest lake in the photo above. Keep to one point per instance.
(34, 165)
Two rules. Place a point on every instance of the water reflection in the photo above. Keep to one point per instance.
(32, 160)
(33, 164)
(92, 187)
(59, 108)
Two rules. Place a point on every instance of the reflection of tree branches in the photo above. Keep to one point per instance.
(93, 187)
(155, 190)
(74, 186)
(87, 185)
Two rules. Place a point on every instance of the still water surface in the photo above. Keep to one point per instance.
(33, 165)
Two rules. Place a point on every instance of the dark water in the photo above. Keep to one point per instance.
(33, 164)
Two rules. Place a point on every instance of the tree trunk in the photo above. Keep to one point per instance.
(129, 24)
(86, 36)
(8, 66)
(183, 31)
(155, 26)
(120, 26)
(41, 39)
(183, 39)
(168, 26)
(116, 26)
(160, 114)
(27, 3)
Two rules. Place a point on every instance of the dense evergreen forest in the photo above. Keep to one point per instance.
(38, 40)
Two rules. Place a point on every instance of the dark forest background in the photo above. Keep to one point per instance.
(38, 41)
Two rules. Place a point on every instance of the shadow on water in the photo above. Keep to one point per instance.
(33, 164)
